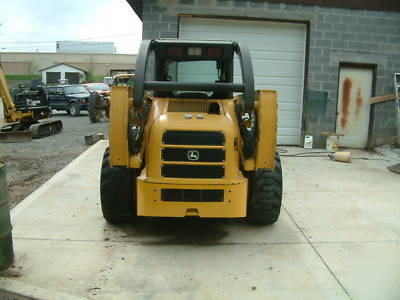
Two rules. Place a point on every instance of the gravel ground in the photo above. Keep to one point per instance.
(30, 164)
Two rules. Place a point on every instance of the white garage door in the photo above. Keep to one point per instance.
(278, 54)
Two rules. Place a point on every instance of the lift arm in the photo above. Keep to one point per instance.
(8, 104)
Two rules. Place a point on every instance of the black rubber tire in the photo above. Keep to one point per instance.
(117, 192)
(74, 110)
(93, 110)
(266, 195)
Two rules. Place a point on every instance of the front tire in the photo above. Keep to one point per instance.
(117, 192)
(266, 198)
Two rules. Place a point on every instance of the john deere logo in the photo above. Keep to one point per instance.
(193, 155)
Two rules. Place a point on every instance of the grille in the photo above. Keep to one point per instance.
(208, 138)
(188, 106)
(192, 171)
(177, 195)
(202, 155)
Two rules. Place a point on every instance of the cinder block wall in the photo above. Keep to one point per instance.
(336, 35)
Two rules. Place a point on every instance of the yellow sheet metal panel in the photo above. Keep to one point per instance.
(248, 164)
(149, 202)
(266, 103)
(135, 161)
(119, 110)
(5, 95)
(226, 122)
(154, 113)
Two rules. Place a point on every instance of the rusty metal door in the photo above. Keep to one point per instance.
(355, 88)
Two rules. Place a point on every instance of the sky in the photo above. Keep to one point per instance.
(36, 25)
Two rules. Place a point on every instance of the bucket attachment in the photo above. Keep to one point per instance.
(15, 136)
(46, 128)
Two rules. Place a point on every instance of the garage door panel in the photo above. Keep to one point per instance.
(279, 68)
(286, 95)
(287, 123)
(275, 43)
(273, 80)
(289, 118)
(277, 81)
(285, 138)
(275, 55)
(292, 107)
(278, 54)
(274, 32)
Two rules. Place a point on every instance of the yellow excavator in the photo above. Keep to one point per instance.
(23, 113)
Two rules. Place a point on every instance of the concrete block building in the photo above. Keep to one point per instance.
(325, 58)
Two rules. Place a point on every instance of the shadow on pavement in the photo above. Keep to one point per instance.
(175, 231)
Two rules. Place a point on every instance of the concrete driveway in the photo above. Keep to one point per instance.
(338, 237)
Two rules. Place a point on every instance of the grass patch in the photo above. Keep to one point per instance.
(16, 77)
(94, 78)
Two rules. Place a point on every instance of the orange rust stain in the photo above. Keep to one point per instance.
(359, 101)
(345, 101)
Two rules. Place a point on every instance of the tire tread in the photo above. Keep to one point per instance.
(117, 192)
(266, 199)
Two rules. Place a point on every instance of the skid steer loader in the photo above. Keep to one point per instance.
(184, 143)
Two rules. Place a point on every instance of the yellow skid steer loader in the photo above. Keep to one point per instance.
(187, 141)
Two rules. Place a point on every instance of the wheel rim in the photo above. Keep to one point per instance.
(99, 109)
(99, 113)
(72, 109)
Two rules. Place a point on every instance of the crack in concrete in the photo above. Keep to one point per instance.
(316, 251)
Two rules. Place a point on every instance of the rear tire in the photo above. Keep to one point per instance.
(266, 198)
(117, 192)
(95, 113)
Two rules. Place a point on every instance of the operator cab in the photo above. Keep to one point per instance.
(195, 63)
(189, 69)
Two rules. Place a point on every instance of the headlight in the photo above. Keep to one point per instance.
(83, 101)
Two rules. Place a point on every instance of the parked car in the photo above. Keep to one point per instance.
(102, 88)
(71, 98)
(108, 80)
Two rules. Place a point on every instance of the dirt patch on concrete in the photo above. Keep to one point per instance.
(31, 164)
(26, 174)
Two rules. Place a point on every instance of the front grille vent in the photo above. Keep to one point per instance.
(187, 195)
(192, 171)
(193, 155)
(206, 138)
(188, 106)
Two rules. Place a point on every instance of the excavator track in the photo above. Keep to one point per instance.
(45, 128)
